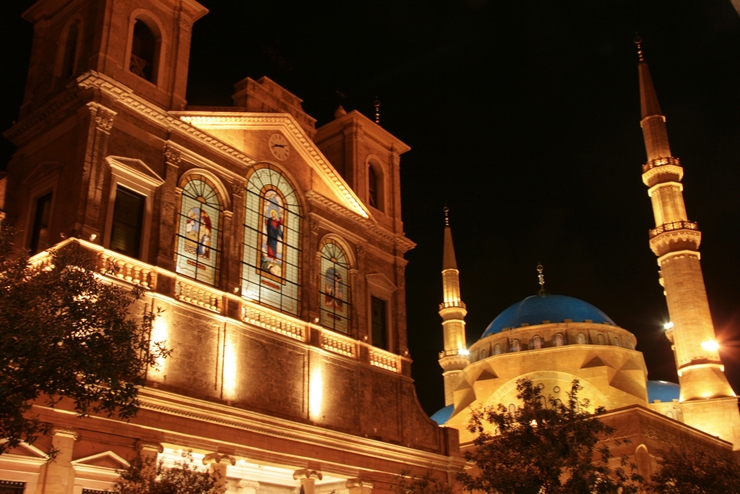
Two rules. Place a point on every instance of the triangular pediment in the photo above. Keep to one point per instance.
(106, 459)
(136, 168)
(381, 281)
(241, 130)
(27, 450)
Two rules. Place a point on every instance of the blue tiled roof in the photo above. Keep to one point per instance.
(663, 391)
(442, 415)
(540, 308)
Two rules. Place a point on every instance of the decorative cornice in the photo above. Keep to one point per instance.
(42, 116)
(367, 224)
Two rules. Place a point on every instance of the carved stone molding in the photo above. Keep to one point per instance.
(172, 156)
(149, 446)
(63, 432)
(103, 117)
(306, 473)
(358, 482)
(216, 458)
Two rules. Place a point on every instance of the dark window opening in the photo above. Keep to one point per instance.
(372, 187)
(10, 487)
(70, 50)
(40, 230)
(128, 220)
(143, 51)
(379, 323)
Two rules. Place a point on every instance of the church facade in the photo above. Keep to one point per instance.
(275, 250)
(554, 339)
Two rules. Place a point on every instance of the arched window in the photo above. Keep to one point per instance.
(537, 342)
(559, 340)
(69, 50)
(272, 238)
(601, 340)
(334, 288)
(581, 338)
(375, 186)
(199, 231)
(144, 51)
(483, 352)
(497, 349)
(617, 342)
(514, 345)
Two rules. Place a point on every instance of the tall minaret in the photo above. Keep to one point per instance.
(675, 240)
(454, 358)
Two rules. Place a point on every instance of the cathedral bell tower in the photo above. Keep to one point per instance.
(675, 241)
(454, 358)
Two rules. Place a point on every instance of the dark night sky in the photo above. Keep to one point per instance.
(523, 117)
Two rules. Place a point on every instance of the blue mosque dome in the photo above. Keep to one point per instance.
(539, 309)
(442, 415)
(662, 390)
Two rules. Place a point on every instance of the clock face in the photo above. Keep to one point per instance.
(279, 146)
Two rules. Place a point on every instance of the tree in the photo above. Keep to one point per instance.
(145, 475)
(426, 484)
(690, 469)
(66, 333)
(543, 449)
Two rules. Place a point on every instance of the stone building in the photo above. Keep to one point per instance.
(553, 339)
(275, 249)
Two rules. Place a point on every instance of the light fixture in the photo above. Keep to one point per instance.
(668, 325)
(710, 345)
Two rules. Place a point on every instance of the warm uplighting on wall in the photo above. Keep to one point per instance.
(230, 370)
(160, 333)
(316, 392)
(710, 345)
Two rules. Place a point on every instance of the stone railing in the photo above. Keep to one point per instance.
(200, 295)
(670, 160)
(446, 305)
(672, 226)
(335, 343)
(42, 260)
(385, 360)
(267, 320)
(127, 269)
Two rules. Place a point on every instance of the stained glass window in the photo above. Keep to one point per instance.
(334, 288)
(199, 231)
(272, 238)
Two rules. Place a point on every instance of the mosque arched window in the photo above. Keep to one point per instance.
(199, 232)
(601, 340)
(483, 352)
(559, 339)
(334, 287)
(669, 414)
(617, 342)
(537, 342)
(497, 349)
(272, 234)
(581, 338)
(515, 345)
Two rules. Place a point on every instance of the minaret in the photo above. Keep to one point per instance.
(675, 241)
(454, 358)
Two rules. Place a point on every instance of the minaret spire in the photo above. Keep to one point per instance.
(454, 358)
(675, 241)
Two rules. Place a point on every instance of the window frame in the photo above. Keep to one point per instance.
(325, 243)
(134, 175)
(380, 287)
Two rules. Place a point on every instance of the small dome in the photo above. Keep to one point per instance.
(442, 415)
(539, 309)
(662, 390)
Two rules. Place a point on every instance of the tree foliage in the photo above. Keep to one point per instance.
(544, 447)
(65, 333)
(145, 475)
(426, 484)
(690, 469)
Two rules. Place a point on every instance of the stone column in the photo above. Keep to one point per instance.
(166, 211)
(219, 463)
(59, 475)
(359, 486)
(308, 479)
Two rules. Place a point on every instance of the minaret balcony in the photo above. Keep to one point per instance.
(458, 304)
(675, 236)
(658, 170)
(672, 226)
